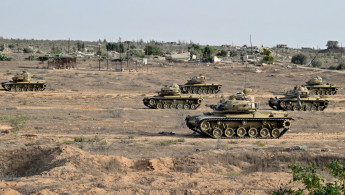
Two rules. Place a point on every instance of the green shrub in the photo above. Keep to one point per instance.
(341, 66)
(28, 50)
(268, 59)
(299, 59)
(79, 139)
(314, 182)
(3, 57)
(316, 63)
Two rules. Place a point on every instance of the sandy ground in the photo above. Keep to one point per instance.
(120, 150)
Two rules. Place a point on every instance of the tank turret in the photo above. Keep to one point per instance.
(239, 118)
(197, 79)
(170, 90)
(315, 81)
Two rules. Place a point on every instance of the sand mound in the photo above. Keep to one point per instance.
(71, 170)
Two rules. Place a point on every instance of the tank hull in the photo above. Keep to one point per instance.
(306, 104)
(321, 89)
(261, 125)
(24, 86)
(203, 88)
(173, 102)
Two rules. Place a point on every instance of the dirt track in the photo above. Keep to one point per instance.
(123, 151)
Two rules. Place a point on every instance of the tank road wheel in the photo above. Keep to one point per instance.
(184, 89)
(13, 89)
(19, 89)
(35, 89)
(241, 131)
(7, 87)
(186, 106)
(159, 106)
(205, 126)
(31, 89)
(217, 133)
(173, 106)
(282, 105)
(195, 91)
(166, 106)
(313, 108)
(275, 133)
(209, 91)
(252, 132)
(193, 107)
(264, 132)
(329, 92)
(152, 102)
(214, 91)
(179, 106)
(200, 91)
(229, 132)
(25, 89)
(287, 124)
(289, 107)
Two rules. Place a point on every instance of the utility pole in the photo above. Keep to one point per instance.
(251, 46)
(127, 55)
(120, 52)
(147, 56)
(99, 57)
(69, 42)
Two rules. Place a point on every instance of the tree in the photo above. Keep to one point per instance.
(299, 59)
(222, 53)
(80, 46)
(115, 47)
(267, 56)
(332, 44)
(154, 50)
(207, 53)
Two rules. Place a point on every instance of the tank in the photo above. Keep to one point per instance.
(239, 118)
(316, 87)
(170, 97)
(298, 99)
(23, 82)
(198, 85)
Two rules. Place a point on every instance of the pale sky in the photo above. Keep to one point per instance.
(302, 23)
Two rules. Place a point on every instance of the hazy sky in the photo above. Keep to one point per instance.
(307, 23)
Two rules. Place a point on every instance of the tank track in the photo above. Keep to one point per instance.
(24, 87)
(307, 105)
(207, 89)
(204, 133)
(187, 104)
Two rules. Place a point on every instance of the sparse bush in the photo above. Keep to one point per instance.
(341, 66)
(170, 142)
(222, 53)
(233, 53)
(259, 143)
(17, 122)
(299, 59)
(28, 50)
(316, 63)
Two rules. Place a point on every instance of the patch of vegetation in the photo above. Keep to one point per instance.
(3, 57)
(28, 50)
(314, 183)
(207, 53)
(171, 142)
(79, 139)
(154, 50)
(341, 66)
(299, 59)
(259, 143)
(131, 137)
(16, 122)
(231, 174)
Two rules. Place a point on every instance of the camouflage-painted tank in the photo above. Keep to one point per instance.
(298, 99)
(22, 82)
(170, 98)
(240, 118)
(316, 87)
(198, 85)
